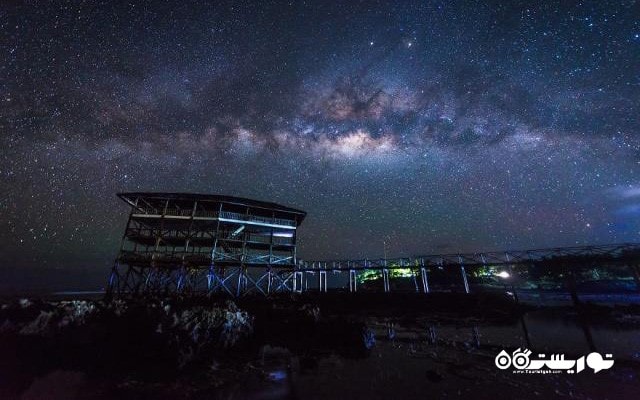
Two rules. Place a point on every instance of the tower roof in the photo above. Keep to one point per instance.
(130, 198)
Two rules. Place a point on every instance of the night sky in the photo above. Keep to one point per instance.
(436, 126)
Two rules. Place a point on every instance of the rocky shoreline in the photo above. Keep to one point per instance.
(251, 348)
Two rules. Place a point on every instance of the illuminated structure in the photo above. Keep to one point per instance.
(203, 244)
(192, 243)
(568, 262)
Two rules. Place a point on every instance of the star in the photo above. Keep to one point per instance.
(450, 128)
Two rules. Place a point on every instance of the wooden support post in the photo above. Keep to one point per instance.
(269, 278)
(325, 281)
(464, 278)
(385, 280)
(114, 283)
(239, 285)
(433, 336)
(512, 278)
(182, 276)
(322, 280)
(425, 279)
(297, 281)
(353, 281)
(210, 278)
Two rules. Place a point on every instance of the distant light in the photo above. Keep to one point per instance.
(277, 375)
(503, 274)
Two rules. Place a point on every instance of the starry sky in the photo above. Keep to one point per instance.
(431, 126)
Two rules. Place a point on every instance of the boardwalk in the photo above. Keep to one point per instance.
(346, 275)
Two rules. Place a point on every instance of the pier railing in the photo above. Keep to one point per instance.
(239, 275)
(187, 213)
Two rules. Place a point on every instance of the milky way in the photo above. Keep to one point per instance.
(430, 126)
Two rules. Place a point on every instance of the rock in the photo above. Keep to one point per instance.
(76, 312)
(25, 303)
(313, 312)
(56, 385)
(8, 327)
(237, 325)
(197, 330)
(63, 314)
(39, 326)
(169, 335)
(118, 307)
(368, 338)
(391, 331)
